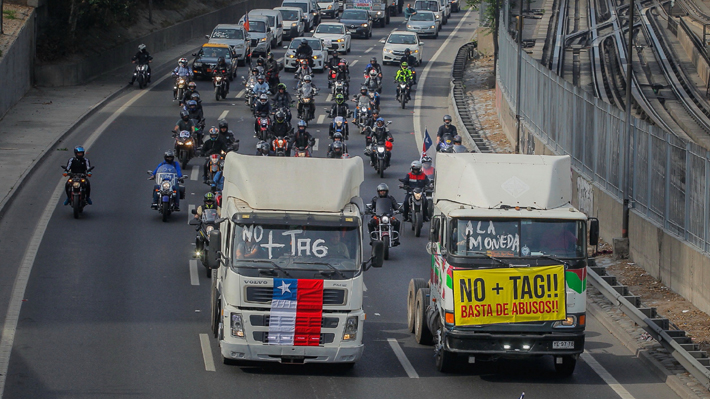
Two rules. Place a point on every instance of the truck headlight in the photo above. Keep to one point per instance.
(350, 331)
(294, 24)
(570, 321)
(263, 39)
(237, 325)
(437, 16)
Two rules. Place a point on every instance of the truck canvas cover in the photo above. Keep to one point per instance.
(492, 180)
(292, 184)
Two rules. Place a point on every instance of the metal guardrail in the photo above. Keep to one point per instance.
(465, 53)
(695, 361)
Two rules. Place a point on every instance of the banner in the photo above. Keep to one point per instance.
(509, 295)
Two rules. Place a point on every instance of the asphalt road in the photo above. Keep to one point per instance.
(112, 309)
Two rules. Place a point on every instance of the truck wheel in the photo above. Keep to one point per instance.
(421, 331)
(445, 361)
(566, 367)
(215, 309)
(414, 285)
(208, 272)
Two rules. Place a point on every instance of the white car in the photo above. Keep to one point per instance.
(397, 42)
(320, 54)
(335, 33)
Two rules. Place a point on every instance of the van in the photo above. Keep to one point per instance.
(293, 21)
(311, 13)
(276, 24)
(260, 34)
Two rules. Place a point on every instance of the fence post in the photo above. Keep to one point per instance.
(634, 170)
(686, 222)
(706, 207)
(667, 195)
(649, 177)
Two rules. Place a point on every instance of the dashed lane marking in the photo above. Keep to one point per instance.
(330, 97)
(189, 213)
(240, 94)
(315, 146)
(207, 353)
(194, 172)
(402, 358)
(354, 62)
(194, 279)
(368, 50)
(364, 287)
(321, 119)
(223, 115)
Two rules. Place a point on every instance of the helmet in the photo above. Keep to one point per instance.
(263, 98)
(404, 64)
(382, 187)
(307, 78)
(363, 90)
(338, 147)
(426, 159)
(169, 156)
(79, 151)
(281, 86)
(447, 119)
(303, 41)
(280, 116)
(373, 73)
(373, 60)
(223, 124)
(380, 120)
(339, 120)
(182, 62)
(339, 98)
(416, 166)
(192, 85)
(375, 112)
(209, 197)
(457, 139)
(254, 71)
(406, 51)
(260, 61)
(192, 104)
(220, 61)
(302, 124)
(270, 56)
(262, 147)
(141, 47)
(184, 114)
(260, 77)
(195, 96)
(337, 135)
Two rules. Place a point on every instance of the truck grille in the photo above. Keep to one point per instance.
(264, 294)
(263, 321)
(263, 336)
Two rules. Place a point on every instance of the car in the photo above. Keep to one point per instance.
(236, 37)
(357, 22)
(433, 6)
(446, 8)
(293, 21)
(424, 23)
(206, 59)
(455, 6)
(310, 13)
(275, 23)
(260, 34)
(329, 8)
(397, 42)
(320, 54)
(334, 34)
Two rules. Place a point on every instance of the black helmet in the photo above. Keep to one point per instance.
(363, 90)
(280, 116)
(338, 147)
(373, 60)
(337, 135)
(223, 124)
(260, 61)
(382, 187)
(416, 166)
(169, 156)
(220, 61)
(447, 119)
(79, 151)
(406, 51)
(260, 77)
(457, 139)
(184, 115)
(255, 70)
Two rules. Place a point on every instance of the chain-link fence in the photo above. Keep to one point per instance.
(670, 178)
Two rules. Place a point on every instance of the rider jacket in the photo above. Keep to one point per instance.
(221, 70)
(272, 66)
(381, 134)
(280, 129)
(444, 129)
(142, 57)
(182, 71)
(304, 51)
(260, 108)
(78, 165)
(403, 75)
(409, 59)
(416, 180)
(303, 139)
(196, 114)
(185, 125)
(395, 205)
(282, 100)
(214, 147)
(188, 95)
(260, 88)
(339, 110)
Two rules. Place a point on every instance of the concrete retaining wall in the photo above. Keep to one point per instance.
(700, 64)
(680, 266)
(16, 66)
(80, 72)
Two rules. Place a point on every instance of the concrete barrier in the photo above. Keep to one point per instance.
(80, 72)
(16, 66)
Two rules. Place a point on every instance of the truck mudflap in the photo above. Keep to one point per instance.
(558, 343)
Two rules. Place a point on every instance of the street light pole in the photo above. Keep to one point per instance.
(627, 146)
(520, 65)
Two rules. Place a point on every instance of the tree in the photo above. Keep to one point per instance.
(491, 18)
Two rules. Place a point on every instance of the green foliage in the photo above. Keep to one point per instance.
(490, 18)
(10, 14)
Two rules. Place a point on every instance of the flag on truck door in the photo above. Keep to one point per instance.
(296, 312)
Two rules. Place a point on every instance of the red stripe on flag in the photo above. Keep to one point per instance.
(309, 313)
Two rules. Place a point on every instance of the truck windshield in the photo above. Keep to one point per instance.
(518, 237)
(298, 246)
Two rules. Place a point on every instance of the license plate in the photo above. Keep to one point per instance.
(562, 344)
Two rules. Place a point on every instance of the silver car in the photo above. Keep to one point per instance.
(424, 23)
(235, 36)
(293, 21)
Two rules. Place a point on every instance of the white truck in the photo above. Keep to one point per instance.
(290, 285)
(508, 262)
(380, 10)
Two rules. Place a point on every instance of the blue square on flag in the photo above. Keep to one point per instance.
(427, 140)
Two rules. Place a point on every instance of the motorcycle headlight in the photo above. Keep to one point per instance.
(208, 229)
(76, 184)
(380, 149)
(291, 56)
(350, 330)
(188, 143)
(417, 196)
(165, 185)
(385, 219)
(306, 100)
(237, 325)
(219, 78)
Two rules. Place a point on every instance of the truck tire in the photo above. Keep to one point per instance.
(421, 331)
(566, 368)
(414, 285)
(445, 361)
(215, 309)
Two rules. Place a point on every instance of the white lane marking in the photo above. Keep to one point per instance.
(321, 119)
(241, 93)
(315, 146)
(194, 279)
(402, 358)
(190, 216)
(330, 97)
(207, 352)
(364, 287)
(418, 134)
(194, 172)
(368, 50)
(606, 376)
(23, 273)
(223, 115)
(354, 62)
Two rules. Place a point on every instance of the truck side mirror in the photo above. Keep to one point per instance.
(207, 37)
(434, 230)
(378, 253)
(213, 251)
(593, 231)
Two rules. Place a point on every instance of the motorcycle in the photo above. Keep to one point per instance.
(416, 209)
(180, 87)
(215, 164)
(77, 192)
(184, 147)
(167, 188)
(249, 89)
(384, 230)
(208, 221)
(339, 87)
(220, 87)
(141, 74)
(363, 110)
(446, 144)
(303, 69)
(403, 92)
(302, 152)
(280, 146)
(198, 131)
(306, 102)
(264, 123)
(380, 156)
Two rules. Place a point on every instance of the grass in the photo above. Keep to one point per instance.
(10, 14)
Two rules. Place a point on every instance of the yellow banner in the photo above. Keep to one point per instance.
(509, 295)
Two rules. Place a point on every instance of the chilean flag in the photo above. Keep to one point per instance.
(296, 312)
(246, 21)
(426, 143)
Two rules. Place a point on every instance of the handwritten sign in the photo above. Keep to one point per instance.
(499, 238)
(297, 246)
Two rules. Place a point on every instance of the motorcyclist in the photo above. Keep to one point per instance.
(281, 127)
(404, 75)
(337, 151)
(340, 108)
(458, 146)
(272, 69)
(194, 111)
(358, 97)
(191, 89)
(78, 164)
(408, 58)
(282, 100)
(225, 134)
(308, 80)
(142, 57)
(372, 121)
(212, 146)
(372, 81)
(415, 179)
(340, 124)
(383, 192)
(373, 65)
(263, 149)
(261, 87)
(209, 201)
(380, 135)
(427, 167)
(222, 69)
(447, 129)
(261, 108)
(335, 60)
(305, 51)
(184, 123)
(304, 92)
(182, 70)
(169, 159)
(342, 71)
(409, 11)
(302, 139)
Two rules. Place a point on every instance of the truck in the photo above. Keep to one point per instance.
(380, 10)
(287, 284)
(508, 262)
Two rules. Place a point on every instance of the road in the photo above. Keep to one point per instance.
(113, 307)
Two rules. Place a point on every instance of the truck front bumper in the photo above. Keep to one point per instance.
(292, 354)
(481, 343)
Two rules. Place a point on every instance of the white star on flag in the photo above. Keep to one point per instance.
(284, 287)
